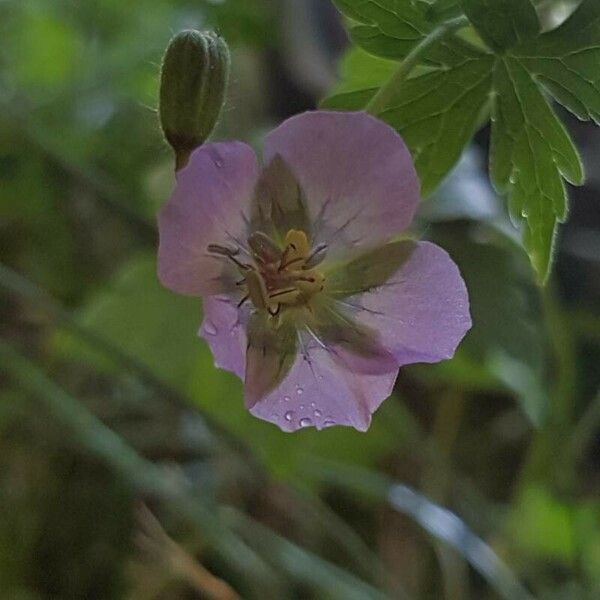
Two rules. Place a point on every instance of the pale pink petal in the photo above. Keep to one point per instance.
(223, 329)
(321, 391)
(209, 204)
(356, 171)
(422, 311)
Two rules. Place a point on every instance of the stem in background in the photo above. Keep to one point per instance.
(439, 522)
(19, 286)
(435, 484)
(583, 433)
(104, 189)
(550, 442)
(381, 99)
(219, 526)
(145, 477)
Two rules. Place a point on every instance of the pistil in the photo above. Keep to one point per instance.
(279, 277)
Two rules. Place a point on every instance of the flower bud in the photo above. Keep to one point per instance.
(192, 89)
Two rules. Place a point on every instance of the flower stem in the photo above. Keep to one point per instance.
(381, 99)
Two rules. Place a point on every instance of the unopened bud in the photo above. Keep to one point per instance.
(192, 90)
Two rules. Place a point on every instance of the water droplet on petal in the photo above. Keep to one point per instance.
(299, 391)
(305, 422)
(317, 413)
(289, 415)
(313, 405)
(209, 328)
(328, 423)
(287, 398)
(301, 407)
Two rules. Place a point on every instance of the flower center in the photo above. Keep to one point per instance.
(279, 277)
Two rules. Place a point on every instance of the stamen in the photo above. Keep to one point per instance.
(227, 251)
(316, 257)
(282, 292)
(285, 265)
(264, 248)
(230, 253)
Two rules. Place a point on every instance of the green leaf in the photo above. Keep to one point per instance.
(442, 10)
(531, 152)
(446, 98)
(391, 29)
(542, 525)
(566, 61)
(436, 113)
(386, 28)
(141, 318)
(503, 24)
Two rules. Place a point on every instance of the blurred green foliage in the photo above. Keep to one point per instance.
(503, 435)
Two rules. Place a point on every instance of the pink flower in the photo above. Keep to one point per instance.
(309, 295)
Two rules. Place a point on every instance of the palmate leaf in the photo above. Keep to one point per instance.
(386, 27)
(459, 85)
(503, 24)
(436, 113)
(566, 61)
(531, 153)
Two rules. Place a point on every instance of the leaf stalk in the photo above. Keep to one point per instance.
(381, 99)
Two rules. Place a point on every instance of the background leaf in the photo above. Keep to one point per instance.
(439, 107)
(503, 24)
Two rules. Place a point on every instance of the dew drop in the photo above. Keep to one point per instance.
(328, 423)
(313, 405)
(317, 413)
(289, 415)
(286, 398)
(305, 422)
(209, 328)
(299, 391)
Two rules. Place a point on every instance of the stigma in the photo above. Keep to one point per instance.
(279, 277)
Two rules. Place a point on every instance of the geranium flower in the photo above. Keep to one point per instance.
(310, 295)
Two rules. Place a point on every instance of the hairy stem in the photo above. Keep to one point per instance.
(381, 99)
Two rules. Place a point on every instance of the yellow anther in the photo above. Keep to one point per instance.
(297, 245)
(290, 281)
(287, 296)
(257, 289)
(310, 283)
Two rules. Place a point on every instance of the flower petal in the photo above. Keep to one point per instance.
(270, 354)
(210, 204)
(356, 172)
(322, 390)
(223, 329)
(422, 311)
